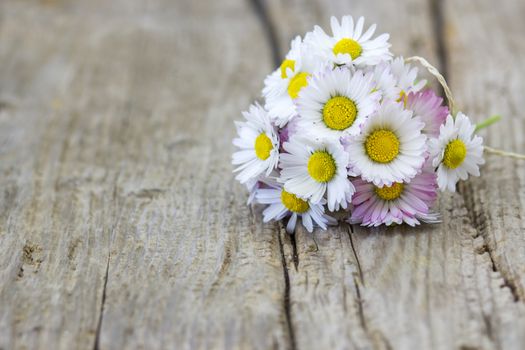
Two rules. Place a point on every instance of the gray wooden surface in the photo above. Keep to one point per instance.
(121, 225)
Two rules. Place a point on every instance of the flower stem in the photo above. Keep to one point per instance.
(451, 105)
(487, 122)
(499, 152)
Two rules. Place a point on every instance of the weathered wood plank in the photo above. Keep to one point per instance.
(116, 167)
(433, 287)
(121, 226)
(486, 52)
(56, 188)
(206, 272)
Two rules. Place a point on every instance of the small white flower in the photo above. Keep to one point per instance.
(408, 202)
(457, 152)
(391, 147)
(406, 77)
(385, 82)
(259, 144)
(283, 85)
(282, 203)
(348, 44)
(336, 102)
(312, 168)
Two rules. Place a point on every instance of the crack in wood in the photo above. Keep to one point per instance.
(118, 210)
(269, 29)
(270, 33)
(438, 22)
(360, 309)
(478, 220)
(354, 252)
(287, 306)
(102, 305)
(295, 255)
(358, 281)
(375, 335)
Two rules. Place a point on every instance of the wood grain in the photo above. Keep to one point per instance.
(121, 225)
(488, 84)
(433, 287)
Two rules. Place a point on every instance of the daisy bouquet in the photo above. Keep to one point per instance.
(346, 127)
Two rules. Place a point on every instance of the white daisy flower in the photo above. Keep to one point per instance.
(457, 152)
(406, 78)
(282, 203)
(259, 144)
(385, 82)
(312, 168)
(336, 102)
(391, 147)
(283, 85)
(348, 44)
(408, 202)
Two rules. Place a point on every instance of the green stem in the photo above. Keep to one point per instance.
(487, 122)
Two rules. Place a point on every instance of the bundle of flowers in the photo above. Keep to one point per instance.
(346, 127)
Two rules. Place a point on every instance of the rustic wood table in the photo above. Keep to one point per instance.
(121, 225)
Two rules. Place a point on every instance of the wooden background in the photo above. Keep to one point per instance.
(121, 225)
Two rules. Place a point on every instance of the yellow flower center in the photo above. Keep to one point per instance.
(297, 83)
(263, 146)
(382, 146)
(389, 193)
(455, 154)
(339, 113)
(285, 65)
(293, 203)
(321, 166)
(349, 46)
